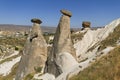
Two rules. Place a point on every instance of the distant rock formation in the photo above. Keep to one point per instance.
(58, 60)
(86, 24)
(34, 53)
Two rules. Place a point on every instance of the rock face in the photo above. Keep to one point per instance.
(62, 43)
(34, 53)
(93, 38)
(86, 24)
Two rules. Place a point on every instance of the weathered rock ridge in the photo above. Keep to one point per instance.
(34, 53)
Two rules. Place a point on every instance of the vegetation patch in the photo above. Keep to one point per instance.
(106, 68)
(37, 69)
(29, 76)
(13, 41)
(111, 39)
(9, 59)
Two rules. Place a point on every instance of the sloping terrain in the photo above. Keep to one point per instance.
(93, 39)
(97, 57)
(106, 68)
(89, 49)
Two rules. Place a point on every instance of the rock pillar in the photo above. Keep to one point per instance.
(62, 43)
(34, 53)
(86, 24)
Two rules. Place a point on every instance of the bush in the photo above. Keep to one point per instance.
(16, 48)
(37, 69)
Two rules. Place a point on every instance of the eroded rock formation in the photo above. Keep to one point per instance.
(34, 53)
(86, 24)
(62, 50)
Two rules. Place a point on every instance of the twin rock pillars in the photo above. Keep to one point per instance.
(35, 55)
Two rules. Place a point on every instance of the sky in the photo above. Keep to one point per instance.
(20, 12)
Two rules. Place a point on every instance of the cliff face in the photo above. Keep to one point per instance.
(34, 53)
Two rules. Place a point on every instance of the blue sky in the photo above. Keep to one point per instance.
(98, 12)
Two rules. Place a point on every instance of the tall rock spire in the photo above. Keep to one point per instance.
(34, 53)
(62, 46)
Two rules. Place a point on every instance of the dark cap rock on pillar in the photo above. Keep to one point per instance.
(35, 20)
(66, 12)
(35, 28)
(86, 24)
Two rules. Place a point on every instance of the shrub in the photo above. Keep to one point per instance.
(37, 69)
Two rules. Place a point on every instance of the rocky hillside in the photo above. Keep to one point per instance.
(91, 47)
(106, 64)
(104, 68)
(88, 54)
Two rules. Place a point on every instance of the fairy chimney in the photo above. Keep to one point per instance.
(62, 43)
(86, 24)
(34, 53)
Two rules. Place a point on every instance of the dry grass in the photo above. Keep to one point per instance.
(107, 68)
(13, 41)
(9, 59)
(29, 77)
(111, 39)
